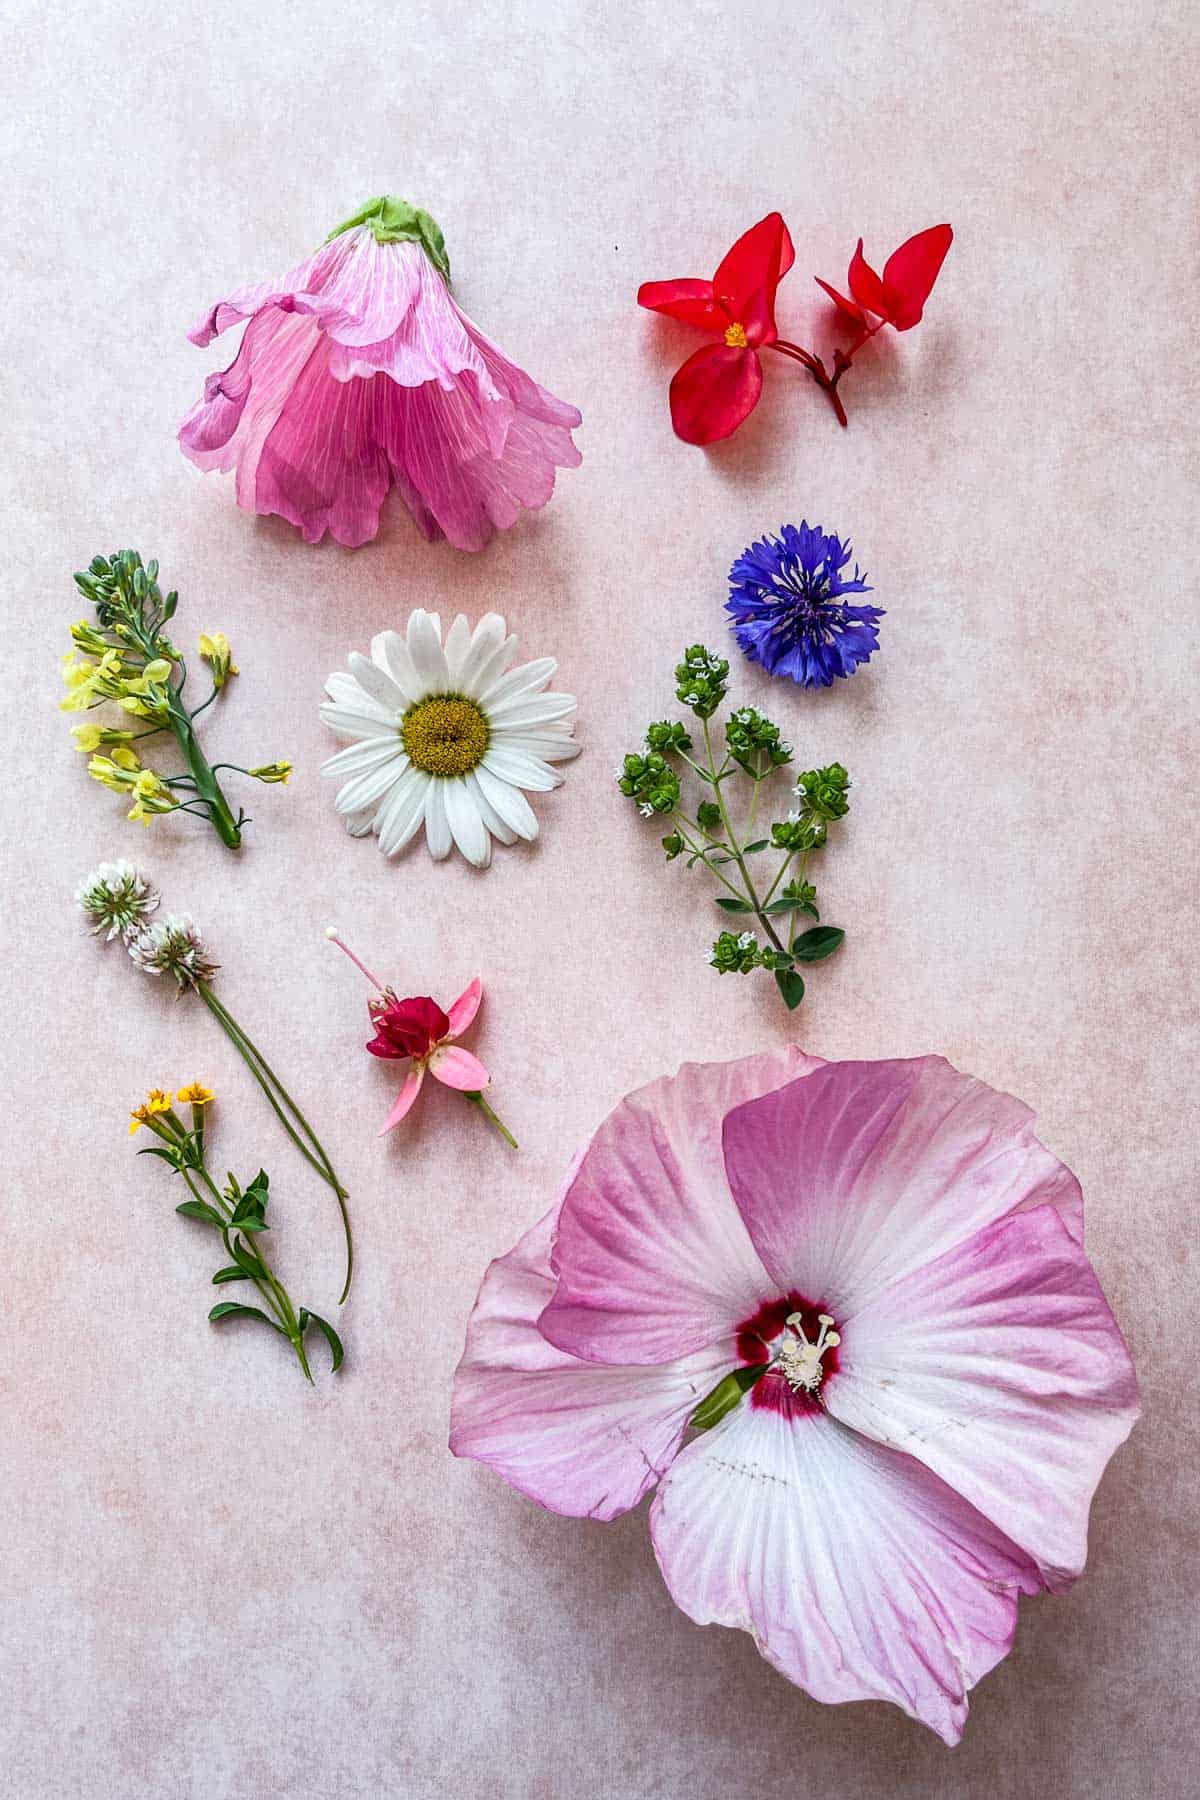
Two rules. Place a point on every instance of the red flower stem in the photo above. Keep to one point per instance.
(816, 368)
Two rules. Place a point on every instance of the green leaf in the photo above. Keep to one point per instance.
(780, 906)
(307, 1318)
(759, 844)
(229, 1309)
(249, 1225)
(245, 1257)
(725, 1396)
(810, 909)
(196, 1209)
(791, 986)
(232, 1273)
(730, 904)
(168, 1156)
(817, 943)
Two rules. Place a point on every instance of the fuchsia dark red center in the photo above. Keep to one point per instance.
(406, 1027)
(758, 1341)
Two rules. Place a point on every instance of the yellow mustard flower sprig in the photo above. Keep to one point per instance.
(117, 900)
(237, 1213)
(125, 659)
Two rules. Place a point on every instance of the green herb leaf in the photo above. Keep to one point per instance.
(725, 1396)
(196, 1209)
(168, 1156)
(791, 986)
(730, 904)
(759, 844)
(251, 1225)
(810, 909)
(817, 943)
(780, 906)
(232, 1273)
(229, 1309)
(331, 1337)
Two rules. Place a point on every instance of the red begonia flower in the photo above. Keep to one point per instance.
(898, 296)
(719, 386)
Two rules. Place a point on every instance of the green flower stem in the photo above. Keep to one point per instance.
(208, 788)
(702, 851)
(478, 1100)
(270, 1288)
(288, 1114)
(732, 839)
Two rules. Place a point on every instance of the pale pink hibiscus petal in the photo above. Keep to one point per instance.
(462, 1013)
(861, 1173)
(578, 1438)
(1002, 1368)
(405, 1098)
(652, 1257)
(859, 1574)
(457, 1068)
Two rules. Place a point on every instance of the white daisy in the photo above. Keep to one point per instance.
(446, 736)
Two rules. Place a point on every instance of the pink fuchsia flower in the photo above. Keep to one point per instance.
(840, 1316)
(357, 373)
(416, 1030)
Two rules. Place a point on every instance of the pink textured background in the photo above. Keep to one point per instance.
(215, 1583)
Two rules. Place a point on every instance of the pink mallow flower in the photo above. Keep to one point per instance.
(416, 1030)
(872, 1276)
(357, 372)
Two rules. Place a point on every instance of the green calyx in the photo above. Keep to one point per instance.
(394, 221)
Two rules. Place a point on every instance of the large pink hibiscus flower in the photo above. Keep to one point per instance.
(880, 1271)
(358, 372)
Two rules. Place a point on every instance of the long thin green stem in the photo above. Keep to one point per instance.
(735, 846)
(289, 1115)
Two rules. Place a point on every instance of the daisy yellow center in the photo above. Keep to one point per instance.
(445, 734)
(799, 1360)
(735, 337)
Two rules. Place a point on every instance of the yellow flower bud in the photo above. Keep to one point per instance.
(87, 737)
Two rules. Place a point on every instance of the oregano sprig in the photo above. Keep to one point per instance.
(707, 835)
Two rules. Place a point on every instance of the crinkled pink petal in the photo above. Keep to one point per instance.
(864, 1171)
(405, 1098)
(652, 1257)
(457, 1068)
(1002, 1368)
(859, 1574)
(576, 1437)
(462, 1013)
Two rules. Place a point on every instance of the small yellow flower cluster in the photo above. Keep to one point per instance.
(142, 692)
(158, 1101)
(215, 651)
(124, 774)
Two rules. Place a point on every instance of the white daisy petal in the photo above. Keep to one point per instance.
(458, 642)
(529, 678)
(361, 826)
(345, 691)
(356, 759)
(541, 709)
(520, 769)
(390, 653)
(487, 812)
(487, 638)
(509, 803)
(469, 831)
(425, 648)
(548, 749)
(437, 830)
(350, 724)
(369, 788)
(377, 684)
(403, 812)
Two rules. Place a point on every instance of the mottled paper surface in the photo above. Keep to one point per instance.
(215, 1583)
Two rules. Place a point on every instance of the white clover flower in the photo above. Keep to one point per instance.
(173, 946)
(445, 736)
(116, 897)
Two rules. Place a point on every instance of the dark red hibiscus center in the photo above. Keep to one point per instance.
(757, 1340)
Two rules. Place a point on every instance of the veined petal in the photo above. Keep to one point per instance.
(425, 649)
(548, 749)
(369, 787)
(865, 1171)
(457, 1068)
(349, 723)
(509, 803)
(528, 711)
(530, 678)
(910, 272)
(356, 758)
(859, 1574)
(578, 1438)
(691, 301)
(749, 274)
(488, 640)
(1001, 1367)
(437, 828)
(345, 691)
(518, 768)
(462, 1013)
(714, 391)
(405, 1098)
(467, 828)
(487, 812)
(866, 286)
(403, 812)
(652, 1256)
(390, 652)
(378, 684)
(458, 642)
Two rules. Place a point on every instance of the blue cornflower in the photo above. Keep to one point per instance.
(786, 600)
